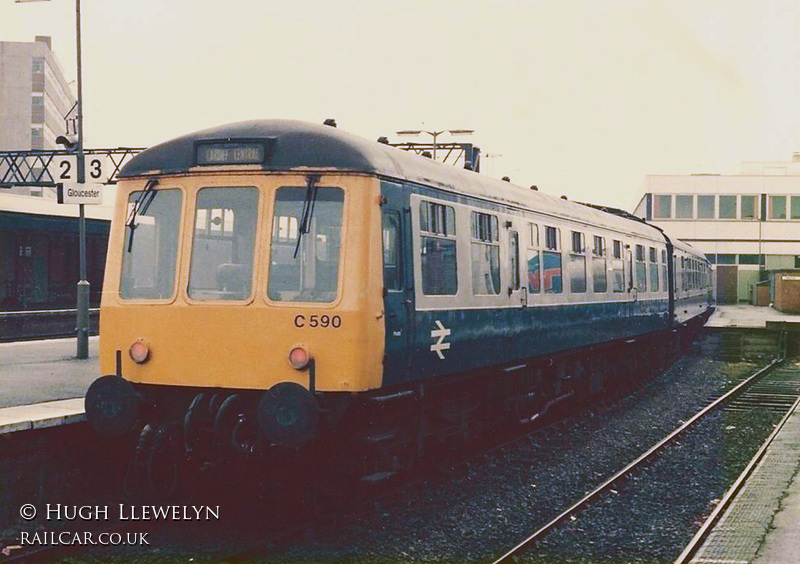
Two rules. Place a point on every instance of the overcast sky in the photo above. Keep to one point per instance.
(582, 98)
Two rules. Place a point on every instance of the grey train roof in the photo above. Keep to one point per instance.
(301, 146)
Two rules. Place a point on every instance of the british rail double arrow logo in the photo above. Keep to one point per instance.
(441, 333)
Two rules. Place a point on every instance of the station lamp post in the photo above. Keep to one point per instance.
(434, 134)
(83, 283)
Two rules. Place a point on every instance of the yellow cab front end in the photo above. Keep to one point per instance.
(246, 281)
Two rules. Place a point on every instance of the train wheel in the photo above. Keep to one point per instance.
(197, 426)
(163, 461)
(136, 474)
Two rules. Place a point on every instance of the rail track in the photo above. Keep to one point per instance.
(374, 500)
(277, 536)
(782, 396)
(769, 389)
(42, 324)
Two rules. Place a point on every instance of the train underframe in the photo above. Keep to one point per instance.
(374, 436)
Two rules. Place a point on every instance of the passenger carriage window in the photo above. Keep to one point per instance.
(437, 226)
(617, 268)
(664, 273)
(149, 258)
(552, 271)
(437, 218)
(513, 253)
(223, 244)
(653, 265)
(485, 254)
(641, 269)
(577, 242)
(534, 264)
(306, 239)
(577, 264)
(599, 276)
(287, 228)
(534, 235)
(391, 251)
(684, 274)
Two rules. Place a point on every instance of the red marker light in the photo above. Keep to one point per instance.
(139, 352)
(299, 358)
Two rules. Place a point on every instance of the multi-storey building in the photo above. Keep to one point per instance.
(39, 237)
(35, 98)
(746, 224)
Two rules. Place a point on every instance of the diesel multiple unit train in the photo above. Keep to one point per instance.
(274, 286)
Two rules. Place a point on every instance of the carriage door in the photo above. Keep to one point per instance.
(397, 298)
(631, 283)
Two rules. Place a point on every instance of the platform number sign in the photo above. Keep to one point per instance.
(66, 168)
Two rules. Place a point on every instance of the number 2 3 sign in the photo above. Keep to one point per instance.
(65, 168)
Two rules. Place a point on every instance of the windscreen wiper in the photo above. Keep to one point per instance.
(141, 205)
(308, 209)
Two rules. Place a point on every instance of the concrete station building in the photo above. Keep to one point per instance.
(39, 237)
(747, 224)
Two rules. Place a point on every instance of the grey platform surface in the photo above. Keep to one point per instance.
(747, 316)
(36, 377)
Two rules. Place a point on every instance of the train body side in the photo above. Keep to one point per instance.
(457, 330)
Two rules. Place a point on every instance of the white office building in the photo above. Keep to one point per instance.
(746, 224)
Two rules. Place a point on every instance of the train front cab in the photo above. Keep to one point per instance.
(239, 285)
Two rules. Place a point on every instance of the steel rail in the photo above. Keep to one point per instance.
(595, 493)
(701, 535)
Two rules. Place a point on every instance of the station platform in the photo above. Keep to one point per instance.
(762, 524)
(748, 317)
(43, 384)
